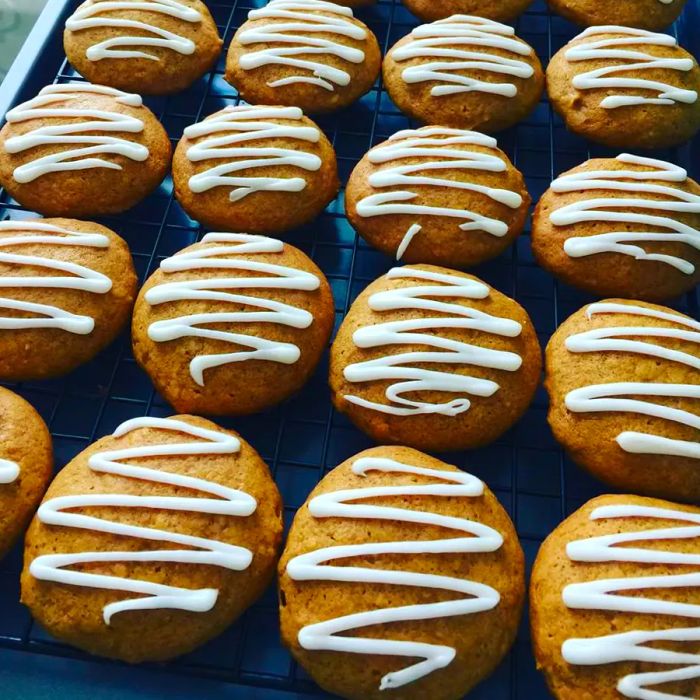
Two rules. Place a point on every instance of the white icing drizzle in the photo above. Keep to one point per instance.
(442, 149)
(401, 368)
(224, 136)
(295, 39)
(637, 183)
(461, 44)
(78, 277)
(9, 471)
(55, 102)
(632, 59)
(90, 15)
(605, 594)
(314, 566)
(217, 289)
(603, 397)
(222, 500)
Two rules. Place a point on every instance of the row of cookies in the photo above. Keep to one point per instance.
(94, 577)
(625, 226)
(427, 356)
(463, 71)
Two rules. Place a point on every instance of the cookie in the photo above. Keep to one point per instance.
(66, 291)
(437, 195)
(26, 464)
(232, 325)
(626, 226)
(645, 14)
(152, 540)
(466, 72)
(624, 381)
(614, 597)
(402, 577)
(255, 169)
(504, 11)
(82, 150)
(151, 47)
(305, 53)
(434, 359)
(626, 88)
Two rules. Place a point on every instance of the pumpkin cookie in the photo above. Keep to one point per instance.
(82, 150)
(502, 11)
(26, 463)
(626, 226)
(232, 325)
(66, 291)
(466, 72)
(256, 169)
(434, 359)
(437, 195)
(402, 577)
(626, 88)
(153, 540)
(614, 600)
(310, 54)
(624, 381)
(151, 47)
(645, 14)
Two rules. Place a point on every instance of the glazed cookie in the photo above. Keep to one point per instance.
(434, 359)
(256, 169)
(614, 600)
(626, 226)
(624, 381)
(466, 72)
(152, 47)
(626, 88)
(437, 195)
(82, 150)
(402, 577)
(645, 14)
(503, 11)
(26, 464)
(305, 53)
(232, 325)
(66, 291)
(152, 540)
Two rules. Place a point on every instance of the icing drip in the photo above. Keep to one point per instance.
(605, 594)
(637, 183)
(78, 276)
(461, 43)
(9, 471)
(91, 136)
(442, 149)
(633, 59)
(401, 367)
(195, 550)
(224, 137)
(602, 397)
(90, 16)
(314, 566)
(296, 36)
(218, 290)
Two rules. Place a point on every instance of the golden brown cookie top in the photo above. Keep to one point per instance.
(425, 561)
(316, 47)
(171, 514)
(615, 596)
(422, 181)
(635, 220)
(148, 46)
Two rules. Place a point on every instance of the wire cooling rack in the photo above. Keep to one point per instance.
(305, 437)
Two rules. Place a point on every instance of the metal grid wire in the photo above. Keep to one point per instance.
(304, 438)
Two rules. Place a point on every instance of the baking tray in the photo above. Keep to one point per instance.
(305, 437)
